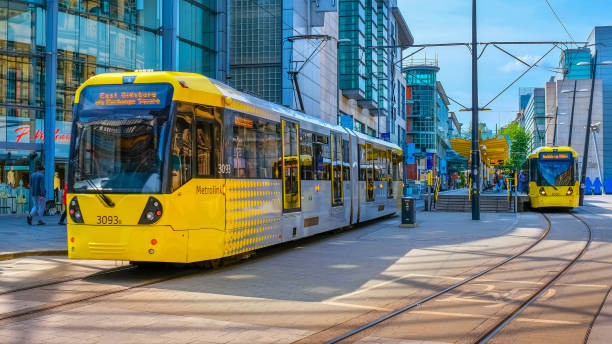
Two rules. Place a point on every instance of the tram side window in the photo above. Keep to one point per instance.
(204, 149)
(182, 147)
(306, 158)
(256, 148)
(322, 156)
(362, 161)
(346, 170)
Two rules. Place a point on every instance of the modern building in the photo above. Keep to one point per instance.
(421, 118)
(568, 98)
(429, 124)
(372, 86)
(533, 118)
(302, 54)
(600, 42)
(48, 48)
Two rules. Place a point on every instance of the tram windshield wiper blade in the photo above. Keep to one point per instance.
(100, 193)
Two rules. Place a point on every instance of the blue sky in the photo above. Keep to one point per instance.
(438, 21)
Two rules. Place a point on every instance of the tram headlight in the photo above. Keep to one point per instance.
(569, 191)
(542, 192)
(152, 212)
(75, 211)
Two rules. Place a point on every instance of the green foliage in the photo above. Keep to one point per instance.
(519, 143)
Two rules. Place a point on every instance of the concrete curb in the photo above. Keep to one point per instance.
(14, 255)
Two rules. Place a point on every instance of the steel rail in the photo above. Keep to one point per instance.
(110, 291)
(70, 279)
(443, 291)
(500, 325)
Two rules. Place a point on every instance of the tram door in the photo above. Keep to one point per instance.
(291, 167)
(336, 175)
(369, 172)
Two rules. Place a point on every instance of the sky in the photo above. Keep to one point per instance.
(443, 21)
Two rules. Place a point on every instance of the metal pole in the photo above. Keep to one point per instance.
(50, 96)
(475, 144)
(556, 127)
(597, 153)
(571, 124)
(585, 156)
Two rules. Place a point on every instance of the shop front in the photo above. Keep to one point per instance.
(20, 148)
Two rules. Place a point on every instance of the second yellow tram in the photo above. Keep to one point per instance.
(553, 178)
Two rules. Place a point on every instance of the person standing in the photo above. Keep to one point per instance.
(37, 192)
(63, 217)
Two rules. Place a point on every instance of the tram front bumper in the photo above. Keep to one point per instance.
(132, 243)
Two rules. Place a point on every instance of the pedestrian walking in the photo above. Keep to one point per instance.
(37, 193)
(63, 217)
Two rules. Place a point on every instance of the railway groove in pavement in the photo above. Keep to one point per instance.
(489, 334)
(441, 292)
(499, 325)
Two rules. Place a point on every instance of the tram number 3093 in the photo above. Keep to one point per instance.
(108, 220)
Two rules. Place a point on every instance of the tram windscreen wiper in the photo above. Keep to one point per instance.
(109, 202)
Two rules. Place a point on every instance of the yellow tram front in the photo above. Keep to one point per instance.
(131, 195)
(553, 178)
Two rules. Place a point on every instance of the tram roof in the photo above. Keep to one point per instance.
(536, 152)
(190, 87)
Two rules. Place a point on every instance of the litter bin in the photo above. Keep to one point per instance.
(408, 212)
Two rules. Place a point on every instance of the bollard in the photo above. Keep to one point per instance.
(408, 212)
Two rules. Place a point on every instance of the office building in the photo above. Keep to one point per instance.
(48, 48)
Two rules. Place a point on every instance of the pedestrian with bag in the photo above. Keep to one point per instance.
(37, 194)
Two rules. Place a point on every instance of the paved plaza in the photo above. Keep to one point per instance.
(320, 287)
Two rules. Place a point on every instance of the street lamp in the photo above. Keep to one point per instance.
(585, 156)
(595, 130)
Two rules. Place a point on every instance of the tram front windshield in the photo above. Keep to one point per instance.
(119, 138)
(555, 172)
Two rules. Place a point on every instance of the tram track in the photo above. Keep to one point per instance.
(89, 295)
(498, 325)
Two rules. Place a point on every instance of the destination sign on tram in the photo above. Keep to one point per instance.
(548, 156)
(150, 96)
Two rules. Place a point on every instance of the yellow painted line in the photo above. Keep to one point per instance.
(357, 306)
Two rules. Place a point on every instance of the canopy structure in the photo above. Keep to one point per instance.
(493, 151)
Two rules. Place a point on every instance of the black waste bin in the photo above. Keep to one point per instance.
(408, 212)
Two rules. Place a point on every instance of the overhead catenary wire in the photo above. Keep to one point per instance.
(520, 76)
(559, 20)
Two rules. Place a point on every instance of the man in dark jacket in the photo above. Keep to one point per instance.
(37, 193)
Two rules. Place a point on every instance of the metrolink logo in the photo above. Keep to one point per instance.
(208, 190)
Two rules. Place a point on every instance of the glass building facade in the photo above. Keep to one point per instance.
(569, 60)
(421, 80)
(93, 37)
(534, 119)
(256, 48)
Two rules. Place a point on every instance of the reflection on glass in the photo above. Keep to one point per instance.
(557, 172)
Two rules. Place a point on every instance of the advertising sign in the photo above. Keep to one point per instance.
(430, 161)
(409, 156)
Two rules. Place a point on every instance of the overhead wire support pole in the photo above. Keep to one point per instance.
(475, 144)
(585, 156)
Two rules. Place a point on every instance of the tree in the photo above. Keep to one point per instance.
(519, 141)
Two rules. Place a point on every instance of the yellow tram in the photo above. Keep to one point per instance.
(177, 167)
(553, 178)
